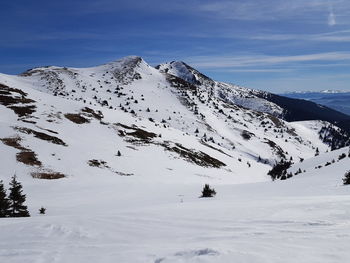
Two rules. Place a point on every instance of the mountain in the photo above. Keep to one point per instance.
(337, 100)
(118, 154)
(131, 103)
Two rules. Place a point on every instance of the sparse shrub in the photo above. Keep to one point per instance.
(342, 156)
(346, 179)
(317, 152)
(279, 170)
(207, 191)
(42, 210)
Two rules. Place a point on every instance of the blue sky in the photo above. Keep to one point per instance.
(273, 45)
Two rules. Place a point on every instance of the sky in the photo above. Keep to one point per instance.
(273, 45)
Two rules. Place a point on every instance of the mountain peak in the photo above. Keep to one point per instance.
(184, 71)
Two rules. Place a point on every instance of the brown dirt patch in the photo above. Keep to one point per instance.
(41, 136)
(76, 118)
(197, 157)
(13, 142)
(91, 113)
(10, 97)
(139, 135)
(28, 158)
(47, 175)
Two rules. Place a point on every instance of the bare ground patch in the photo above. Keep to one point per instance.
(28, 157)
(135, 134)
(16, 100)
(98, 163)
(49, 175)
(92, 113)
(41, 136)
(14, 142)
(76, 118)
(103, 165)
(198, 157)
(25, 156)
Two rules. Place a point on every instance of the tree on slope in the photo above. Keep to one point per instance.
(4, 202)
(17, 199)
(207, 191)
(346, 179)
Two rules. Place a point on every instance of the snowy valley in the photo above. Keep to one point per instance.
(118, 155)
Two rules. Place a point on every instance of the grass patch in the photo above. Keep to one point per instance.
(28, 157)
(9, 97)
(76, 118)
(98, 163)
(41, 136)
(198, 157)
(47, 175)
(13, 142)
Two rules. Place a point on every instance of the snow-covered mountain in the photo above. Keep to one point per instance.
(141, 140)
(127, 103)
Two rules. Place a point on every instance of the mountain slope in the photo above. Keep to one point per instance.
(133, 99)
(61, 130)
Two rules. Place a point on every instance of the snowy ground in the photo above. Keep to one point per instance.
(296, 220)
(143, 206)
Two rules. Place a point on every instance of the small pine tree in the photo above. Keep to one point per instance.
(42, 210)
(119, 154)
(207, 191)
(4, 202)
(17, 199)
(317, 152)
(346, 179)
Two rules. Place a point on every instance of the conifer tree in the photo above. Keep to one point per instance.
(346, 179)
(4, 202)
(207, 191)
(17, 199)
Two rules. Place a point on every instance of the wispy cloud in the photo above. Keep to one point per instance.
(274, 9)
(240, 61)
(336, 36)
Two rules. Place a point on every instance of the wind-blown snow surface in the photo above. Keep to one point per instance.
(143, 206)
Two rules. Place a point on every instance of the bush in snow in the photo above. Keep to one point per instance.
(207, 191)
(342, 156)
(279, 170)
(346, 179)
(42, 210)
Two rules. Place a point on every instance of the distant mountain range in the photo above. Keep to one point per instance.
(335, 99)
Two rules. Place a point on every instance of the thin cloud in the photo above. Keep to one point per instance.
(337, 36)
(212, 62)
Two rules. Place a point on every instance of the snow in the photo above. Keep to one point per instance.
(147, 222)
(143, 206)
